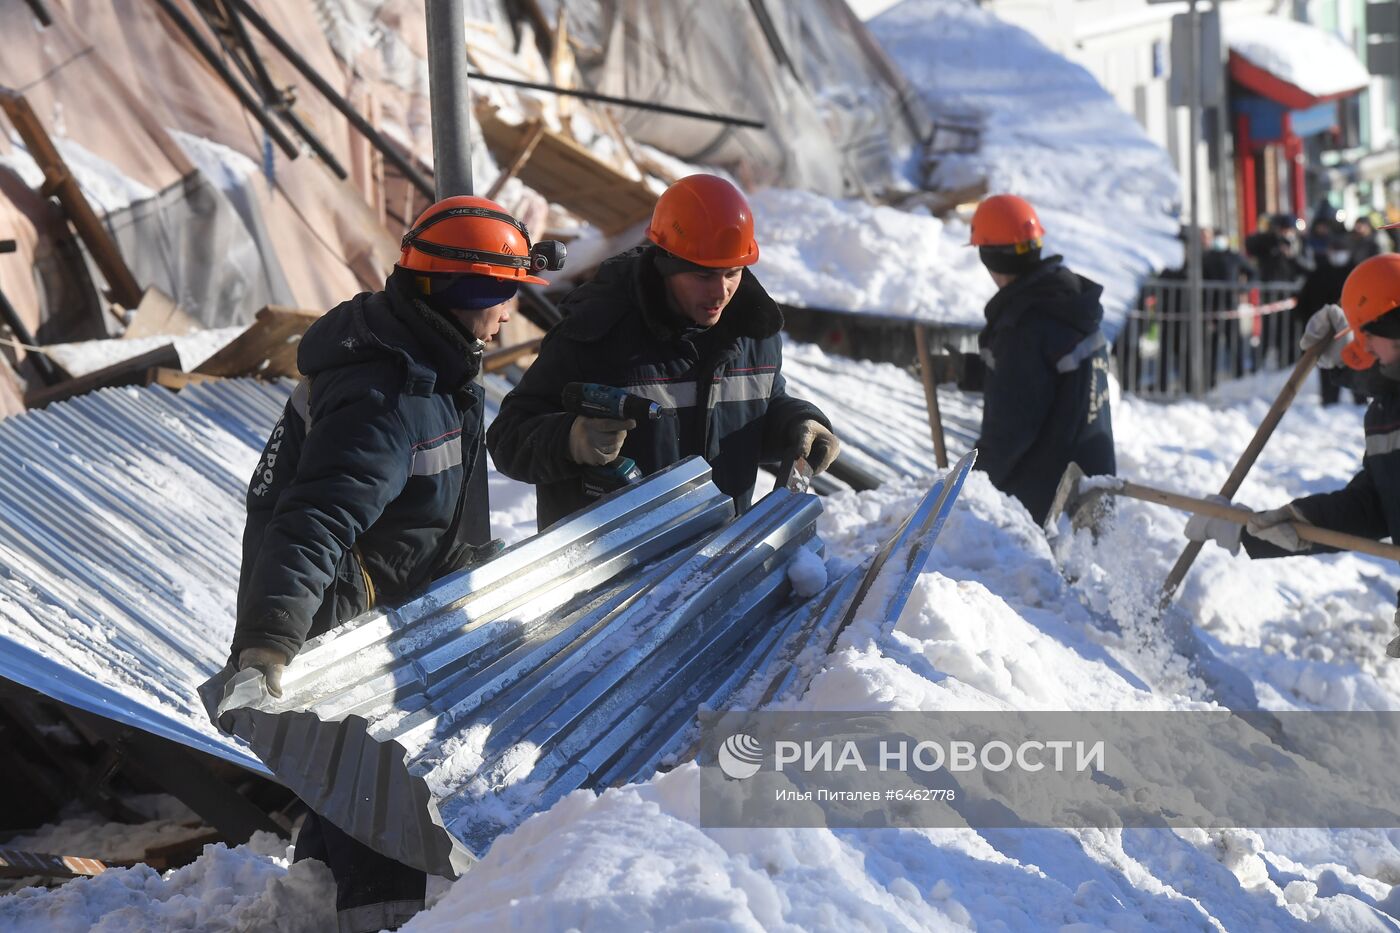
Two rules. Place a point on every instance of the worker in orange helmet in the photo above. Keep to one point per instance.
(684, 323)
(359, 498)
(1363, 334)
(1043, 361)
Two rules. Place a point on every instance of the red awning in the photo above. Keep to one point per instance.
(1267, 84)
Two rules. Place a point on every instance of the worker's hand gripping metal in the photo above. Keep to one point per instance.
(591, 400)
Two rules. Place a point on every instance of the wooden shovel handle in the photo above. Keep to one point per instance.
(1301, 370)
(1232, 513)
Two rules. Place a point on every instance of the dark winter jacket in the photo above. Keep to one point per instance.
(721, 389)
(1045, 399)
(1369, 505)
(358, 496)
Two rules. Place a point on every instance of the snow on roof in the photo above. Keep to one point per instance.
(1309, 58)
(1106, 193)
(121, 540)
(847, 255)
(121, 529)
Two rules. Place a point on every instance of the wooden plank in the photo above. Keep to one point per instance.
(532, 139)
(175, 379)
(267, 349)
(159, 315)
(500, 359)
(127, 372)
(59, 181)
(935, 416)
(182, 851)
(569, 175)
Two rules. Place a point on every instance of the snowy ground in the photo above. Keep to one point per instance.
(993, 625)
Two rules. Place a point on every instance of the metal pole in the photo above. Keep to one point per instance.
(385, 148)
(451, 101)
(1193, 92)
(622, 101)
(452, 176)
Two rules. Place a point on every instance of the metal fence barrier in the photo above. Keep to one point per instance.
(1249, 327)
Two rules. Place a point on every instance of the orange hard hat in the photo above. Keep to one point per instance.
(1006, 220)
(467, 235)
(1371, 291)
(705, 220)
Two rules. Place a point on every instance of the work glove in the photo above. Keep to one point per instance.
(811, 441)
(597, 441)
(1325, 323)
(1276, 527)
(270, 662)
(1227, 534)
(469, 555)
(1393, 649)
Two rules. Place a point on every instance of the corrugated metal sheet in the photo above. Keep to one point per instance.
(121, 518)
(879, 413)
(574, 658)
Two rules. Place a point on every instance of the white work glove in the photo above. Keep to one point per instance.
(1393, 649)
(1276, 527)
(269, 661)
(1326, 322)
(812, 442)
(597, 441)
(1203, 528)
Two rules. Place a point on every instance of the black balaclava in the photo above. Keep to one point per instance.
(1388, 326)
(1005, 259)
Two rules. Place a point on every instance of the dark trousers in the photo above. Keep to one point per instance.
(373, 892)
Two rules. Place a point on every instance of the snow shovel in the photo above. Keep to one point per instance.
(1301, 370)
(1078, 500)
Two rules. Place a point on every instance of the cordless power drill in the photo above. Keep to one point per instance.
(592, 400)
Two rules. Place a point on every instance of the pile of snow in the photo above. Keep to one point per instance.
(1106, 193)
(251, 887)
(1309, 58)
(852, 256)
(89, 356)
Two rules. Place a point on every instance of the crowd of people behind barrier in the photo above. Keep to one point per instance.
(1255, 303)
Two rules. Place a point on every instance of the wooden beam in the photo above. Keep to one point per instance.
(157, 314)
(500, 359)
(567, 174)
(935, 416)
(175, 379)
(132, 371)
(59, 181)
(267, 349)
(522, 155)
(181, 852)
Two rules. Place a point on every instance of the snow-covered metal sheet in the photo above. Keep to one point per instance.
(121, 519)
(879, 412)
(572, 657)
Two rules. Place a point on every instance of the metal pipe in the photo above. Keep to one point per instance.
(278, 101)
(619, 101)
(245, 97)
(450, 97)
(1193, 90)
(382, 145)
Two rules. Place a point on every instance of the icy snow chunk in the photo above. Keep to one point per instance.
(807, 573)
